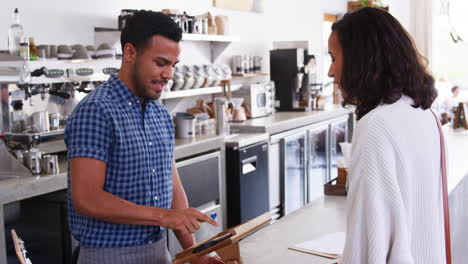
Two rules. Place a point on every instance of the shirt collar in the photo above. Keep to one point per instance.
(406, 99)
(124, 92)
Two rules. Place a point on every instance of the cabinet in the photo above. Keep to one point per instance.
(247, 178)
(317, 160)
(201, 177)
(302, 160)
(293, 149)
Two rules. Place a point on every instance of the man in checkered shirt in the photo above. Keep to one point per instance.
(124, 189)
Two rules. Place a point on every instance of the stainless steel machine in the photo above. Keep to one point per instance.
(290, 68)
(26, 125)
(31, 143)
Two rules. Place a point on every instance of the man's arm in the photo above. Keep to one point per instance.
(90, 199)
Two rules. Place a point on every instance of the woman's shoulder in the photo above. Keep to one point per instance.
(388, 115)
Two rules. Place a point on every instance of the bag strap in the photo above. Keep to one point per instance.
(448, 252)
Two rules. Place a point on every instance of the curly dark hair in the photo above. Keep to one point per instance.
(380, 62)
(144, 24)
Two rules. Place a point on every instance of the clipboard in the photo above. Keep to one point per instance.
(226, 243)
(19, 248)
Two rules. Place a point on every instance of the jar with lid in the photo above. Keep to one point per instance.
(210, 75)
(218, 75)
(178, 79)
(188, 76)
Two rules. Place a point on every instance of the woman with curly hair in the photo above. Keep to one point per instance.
(395, 202)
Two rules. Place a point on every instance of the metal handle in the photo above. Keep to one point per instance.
(248, 165)
(249, 160)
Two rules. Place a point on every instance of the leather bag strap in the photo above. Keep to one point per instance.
(448, 252)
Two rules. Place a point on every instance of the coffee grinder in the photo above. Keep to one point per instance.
(289, 70)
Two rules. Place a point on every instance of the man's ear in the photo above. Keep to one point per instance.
(129, 53)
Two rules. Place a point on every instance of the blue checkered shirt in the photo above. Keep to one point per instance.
(109, 125)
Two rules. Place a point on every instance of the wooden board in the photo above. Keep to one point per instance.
(18, 247)
(308, 251)
(330, 17)
(243, 5)
(249, 74)
(228, 249)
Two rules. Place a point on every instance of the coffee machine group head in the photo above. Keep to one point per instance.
(289, 70)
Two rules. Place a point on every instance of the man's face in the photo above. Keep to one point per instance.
(153, 66)
(336, 54)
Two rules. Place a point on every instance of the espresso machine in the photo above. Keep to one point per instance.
(289, 70)
(29, 129)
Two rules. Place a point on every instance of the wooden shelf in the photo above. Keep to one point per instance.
(195, 92)
(213, 38)
(249, 74)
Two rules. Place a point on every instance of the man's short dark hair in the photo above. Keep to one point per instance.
(144, 24)
(454, 88)
(381, 62)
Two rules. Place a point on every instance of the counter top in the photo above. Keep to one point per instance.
(16, 189)
(191, 146)
(19, 188)
(270, 244)
(241, 140)
(457, 155)
(283, 121)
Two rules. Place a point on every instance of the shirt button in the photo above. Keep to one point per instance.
(129, 103)
(156, 198)
(154, 170)
(150, 143)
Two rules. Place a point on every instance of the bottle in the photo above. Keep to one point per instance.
(33, 52)
(24, 49)
(15, 33)
(222, 127)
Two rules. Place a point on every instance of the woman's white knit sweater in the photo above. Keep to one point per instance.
(395, 198)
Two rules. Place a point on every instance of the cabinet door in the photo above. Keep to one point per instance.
(254, 199)
(294, 172)
(200, 177)
(338, 134)
(318, 165)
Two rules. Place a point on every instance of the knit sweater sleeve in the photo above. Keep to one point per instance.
(377, 229)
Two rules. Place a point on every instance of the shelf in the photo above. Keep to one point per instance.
(213, 38)
(249, 74)
(56, 132)
(185, 36)
(195, 92)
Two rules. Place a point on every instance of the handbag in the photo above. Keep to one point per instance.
(448, 252)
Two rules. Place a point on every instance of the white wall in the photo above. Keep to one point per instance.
(64, 22)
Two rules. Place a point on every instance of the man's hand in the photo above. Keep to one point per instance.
(208, 260)
(185, 221)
